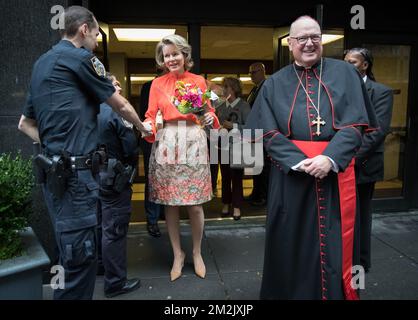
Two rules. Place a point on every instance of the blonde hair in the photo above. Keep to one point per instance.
(181, 44)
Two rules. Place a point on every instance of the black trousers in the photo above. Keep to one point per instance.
(152, 210)
(232, 186)
(365, 194)
(261, 181)
(114, 212)
(74, 218)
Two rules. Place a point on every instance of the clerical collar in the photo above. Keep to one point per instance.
(233, 103)
(302, 68)
(365, 78)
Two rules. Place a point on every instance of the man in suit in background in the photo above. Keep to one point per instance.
(370, 157)
(152, 210)
(258, 196)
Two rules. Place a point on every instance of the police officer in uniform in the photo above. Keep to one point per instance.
(114, 210)
(67, 86)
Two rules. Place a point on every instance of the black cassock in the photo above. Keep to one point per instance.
(306, 254)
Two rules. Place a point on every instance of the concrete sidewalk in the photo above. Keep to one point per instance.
(233, 252)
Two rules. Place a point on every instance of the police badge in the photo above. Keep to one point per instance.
(98, 67)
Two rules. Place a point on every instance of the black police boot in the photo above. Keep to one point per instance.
(128, 286)
(153, 230)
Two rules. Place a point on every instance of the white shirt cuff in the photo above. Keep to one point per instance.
(334, 165)
(297, 166)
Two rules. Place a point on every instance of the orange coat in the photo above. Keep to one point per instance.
(161, 92)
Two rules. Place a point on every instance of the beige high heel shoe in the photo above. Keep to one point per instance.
(199, 266)
(175, 274)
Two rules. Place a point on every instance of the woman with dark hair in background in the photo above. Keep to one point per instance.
(370, 157)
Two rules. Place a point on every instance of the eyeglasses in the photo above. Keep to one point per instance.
(315, 38)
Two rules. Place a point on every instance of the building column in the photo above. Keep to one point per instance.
(193, 31)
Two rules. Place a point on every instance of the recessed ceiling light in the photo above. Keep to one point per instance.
(141, 79)
(139, 34)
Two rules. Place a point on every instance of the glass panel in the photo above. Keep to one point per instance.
(391, 67)
(236, 43)
(228, 51)
(333, 44)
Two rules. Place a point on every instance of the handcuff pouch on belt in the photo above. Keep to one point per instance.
(119, 176)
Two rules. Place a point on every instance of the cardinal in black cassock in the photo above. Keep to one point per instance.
(313, 113)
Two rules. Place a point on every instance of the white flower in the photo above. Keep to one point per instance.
(213, 96)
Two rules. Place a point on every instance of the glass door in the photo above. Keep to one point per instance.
(392, 66)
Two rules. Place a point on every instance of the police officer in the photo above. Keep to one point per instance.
(67, 86)
(115, 194)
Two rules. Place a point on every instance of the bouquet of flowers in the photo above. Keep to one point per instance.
(190, 98)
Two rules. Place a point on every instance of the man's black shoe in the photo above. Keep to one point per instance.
(129, 285)
(153, 230)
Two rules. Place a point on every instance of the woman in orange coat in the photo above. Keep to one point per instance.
(179, 173)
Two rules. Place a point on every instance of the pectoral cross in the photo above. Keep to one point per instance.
(318, 122)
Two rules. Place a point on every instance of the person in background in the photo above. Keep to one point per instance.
(214, 168)
(370, 156)
(233, 112)
(152, 210)
(114, 205)
(258, 196)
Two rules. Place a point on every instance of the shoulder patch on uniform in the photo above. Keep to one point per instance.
(126, 123)
(98, 67)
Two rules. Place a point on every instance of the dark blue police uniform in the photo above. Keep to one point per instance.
(114, 209)
(67, 86)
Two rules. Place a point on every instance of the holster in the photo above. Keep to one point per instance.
(98, 158)
(56, 170)
(124, 176)
(40, 174)
(58, 175)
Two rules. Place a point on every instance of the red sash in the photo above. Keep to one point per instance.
(347, 192)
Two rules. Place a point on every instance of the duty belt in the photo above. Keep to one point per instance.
(81, 163)
(93, 161)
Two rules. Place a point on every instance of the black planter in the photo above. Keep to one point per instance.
(21, 277)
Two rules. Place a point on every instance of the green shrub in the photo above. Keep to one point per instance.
(16, 182)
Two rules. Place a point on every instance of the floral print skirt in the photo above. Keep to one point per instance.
(179, 169)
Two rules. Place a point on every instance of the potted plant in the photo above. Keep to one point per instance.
(21, 255)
